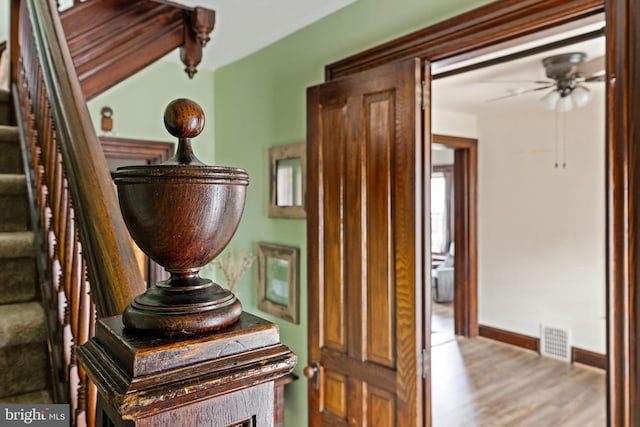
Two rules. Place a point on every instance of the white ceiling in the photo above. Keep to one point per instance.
(471, 92)
(246, 26)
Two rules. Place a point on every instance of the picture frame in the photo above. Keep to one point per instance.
(279, 281)
(288, 181)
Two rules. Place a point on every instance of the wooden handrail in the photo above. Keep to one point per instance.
(113, 273)
(86, 263)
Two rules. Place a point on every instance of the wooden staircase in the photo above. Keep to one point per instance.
(85, 271)
(110, 40)
(24, 379)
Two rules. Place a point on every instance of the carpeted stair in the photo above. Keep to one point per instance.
(23, 347)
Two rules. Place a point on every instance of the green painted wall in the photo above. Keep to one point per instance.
(138, 104)
(260, 102)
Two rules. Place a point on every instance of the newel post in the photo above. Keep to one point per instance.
(184, 352)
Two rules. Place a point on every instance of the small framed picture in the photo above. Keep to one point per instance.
(287, 181)
(278, 280)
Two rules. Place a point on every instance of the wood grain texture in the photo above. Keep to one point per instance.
(111, 264)
(157, 204)
(278, 398)
(590, 358)
(507, 21)
(508, 337)
(623, 189)
(139, 377)
(365, 246)
(481, 382)
(140, 152)
(498, 21)
(145, 151)
(379, 115)
(111, 40)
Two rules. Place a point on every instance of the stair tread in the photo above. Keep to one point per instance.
(17, 244)
(9, 134)
(22, 323)
(13, 183)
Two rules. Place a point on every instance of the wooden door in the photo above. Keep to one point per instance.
(365, 234)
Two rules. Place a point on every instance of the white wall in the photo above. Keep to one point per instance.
(454, 124)
(541, 229)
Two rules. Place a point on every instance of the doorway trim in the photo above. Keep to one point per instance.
(503, 22)
(465, 234)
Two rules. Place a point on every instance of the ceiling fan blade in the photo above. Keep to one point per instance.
(591, 68)
(511, 95)
(537, 82)
(594, 79)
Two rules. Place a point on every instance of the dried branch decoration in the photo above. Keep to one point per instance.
(233, 268)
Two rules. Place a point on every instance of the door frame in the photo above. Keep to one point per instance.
(151, 153)
(504, 21)
(465, 234)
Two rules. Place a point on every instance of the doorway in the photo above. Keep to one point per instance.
(500, 23)
(463, 232)
(530, 189)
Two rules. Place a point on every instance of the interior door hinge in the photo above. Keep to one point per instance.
(423, 95)
(425, 362)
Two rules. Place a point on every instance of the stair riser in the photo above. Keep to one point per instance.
(10, 159)
(17, 280)
(14, 212)
(24, 368)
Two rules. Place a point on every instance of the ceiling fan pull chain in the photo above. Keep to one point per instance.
(556, 138)
(564, 141)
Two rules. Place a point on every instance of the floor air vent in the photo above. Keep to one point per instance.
(555, 343)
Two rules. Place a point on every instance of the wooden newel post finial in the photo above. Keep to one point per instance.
(182, 214)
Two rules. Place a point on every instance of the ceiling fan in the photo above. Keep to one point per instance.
(568, 72)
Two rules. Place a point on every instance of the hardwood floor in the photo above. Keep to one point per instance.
(483, 383)
(442, 324)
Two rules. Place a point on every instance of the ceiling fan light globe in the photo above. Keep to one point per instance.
(565, 104)
(581, 96)
(550, 100)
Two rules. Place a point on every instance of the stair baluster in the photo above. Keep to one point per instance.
(87, 268)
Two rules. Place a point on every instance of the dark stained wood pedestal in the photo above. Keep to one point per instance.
(220, 379)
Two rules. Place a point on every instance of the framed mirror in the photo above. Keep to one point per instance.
(288, 181)
(278, 281)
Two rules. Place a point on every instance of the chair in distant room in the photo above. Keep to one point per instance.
(442, 278)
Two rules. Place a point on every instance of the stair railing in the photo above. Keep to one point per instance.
(90, 268)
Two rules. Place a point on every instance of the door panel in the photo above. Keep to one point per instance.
(365, 226)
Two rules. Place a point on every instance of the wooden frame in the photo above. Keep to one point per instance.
(279, 281)
(504, 21)
(294, 159)
(465, 224)
(150, 153)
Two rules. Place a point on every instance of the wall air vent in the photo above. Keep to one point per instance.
(555, 342)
